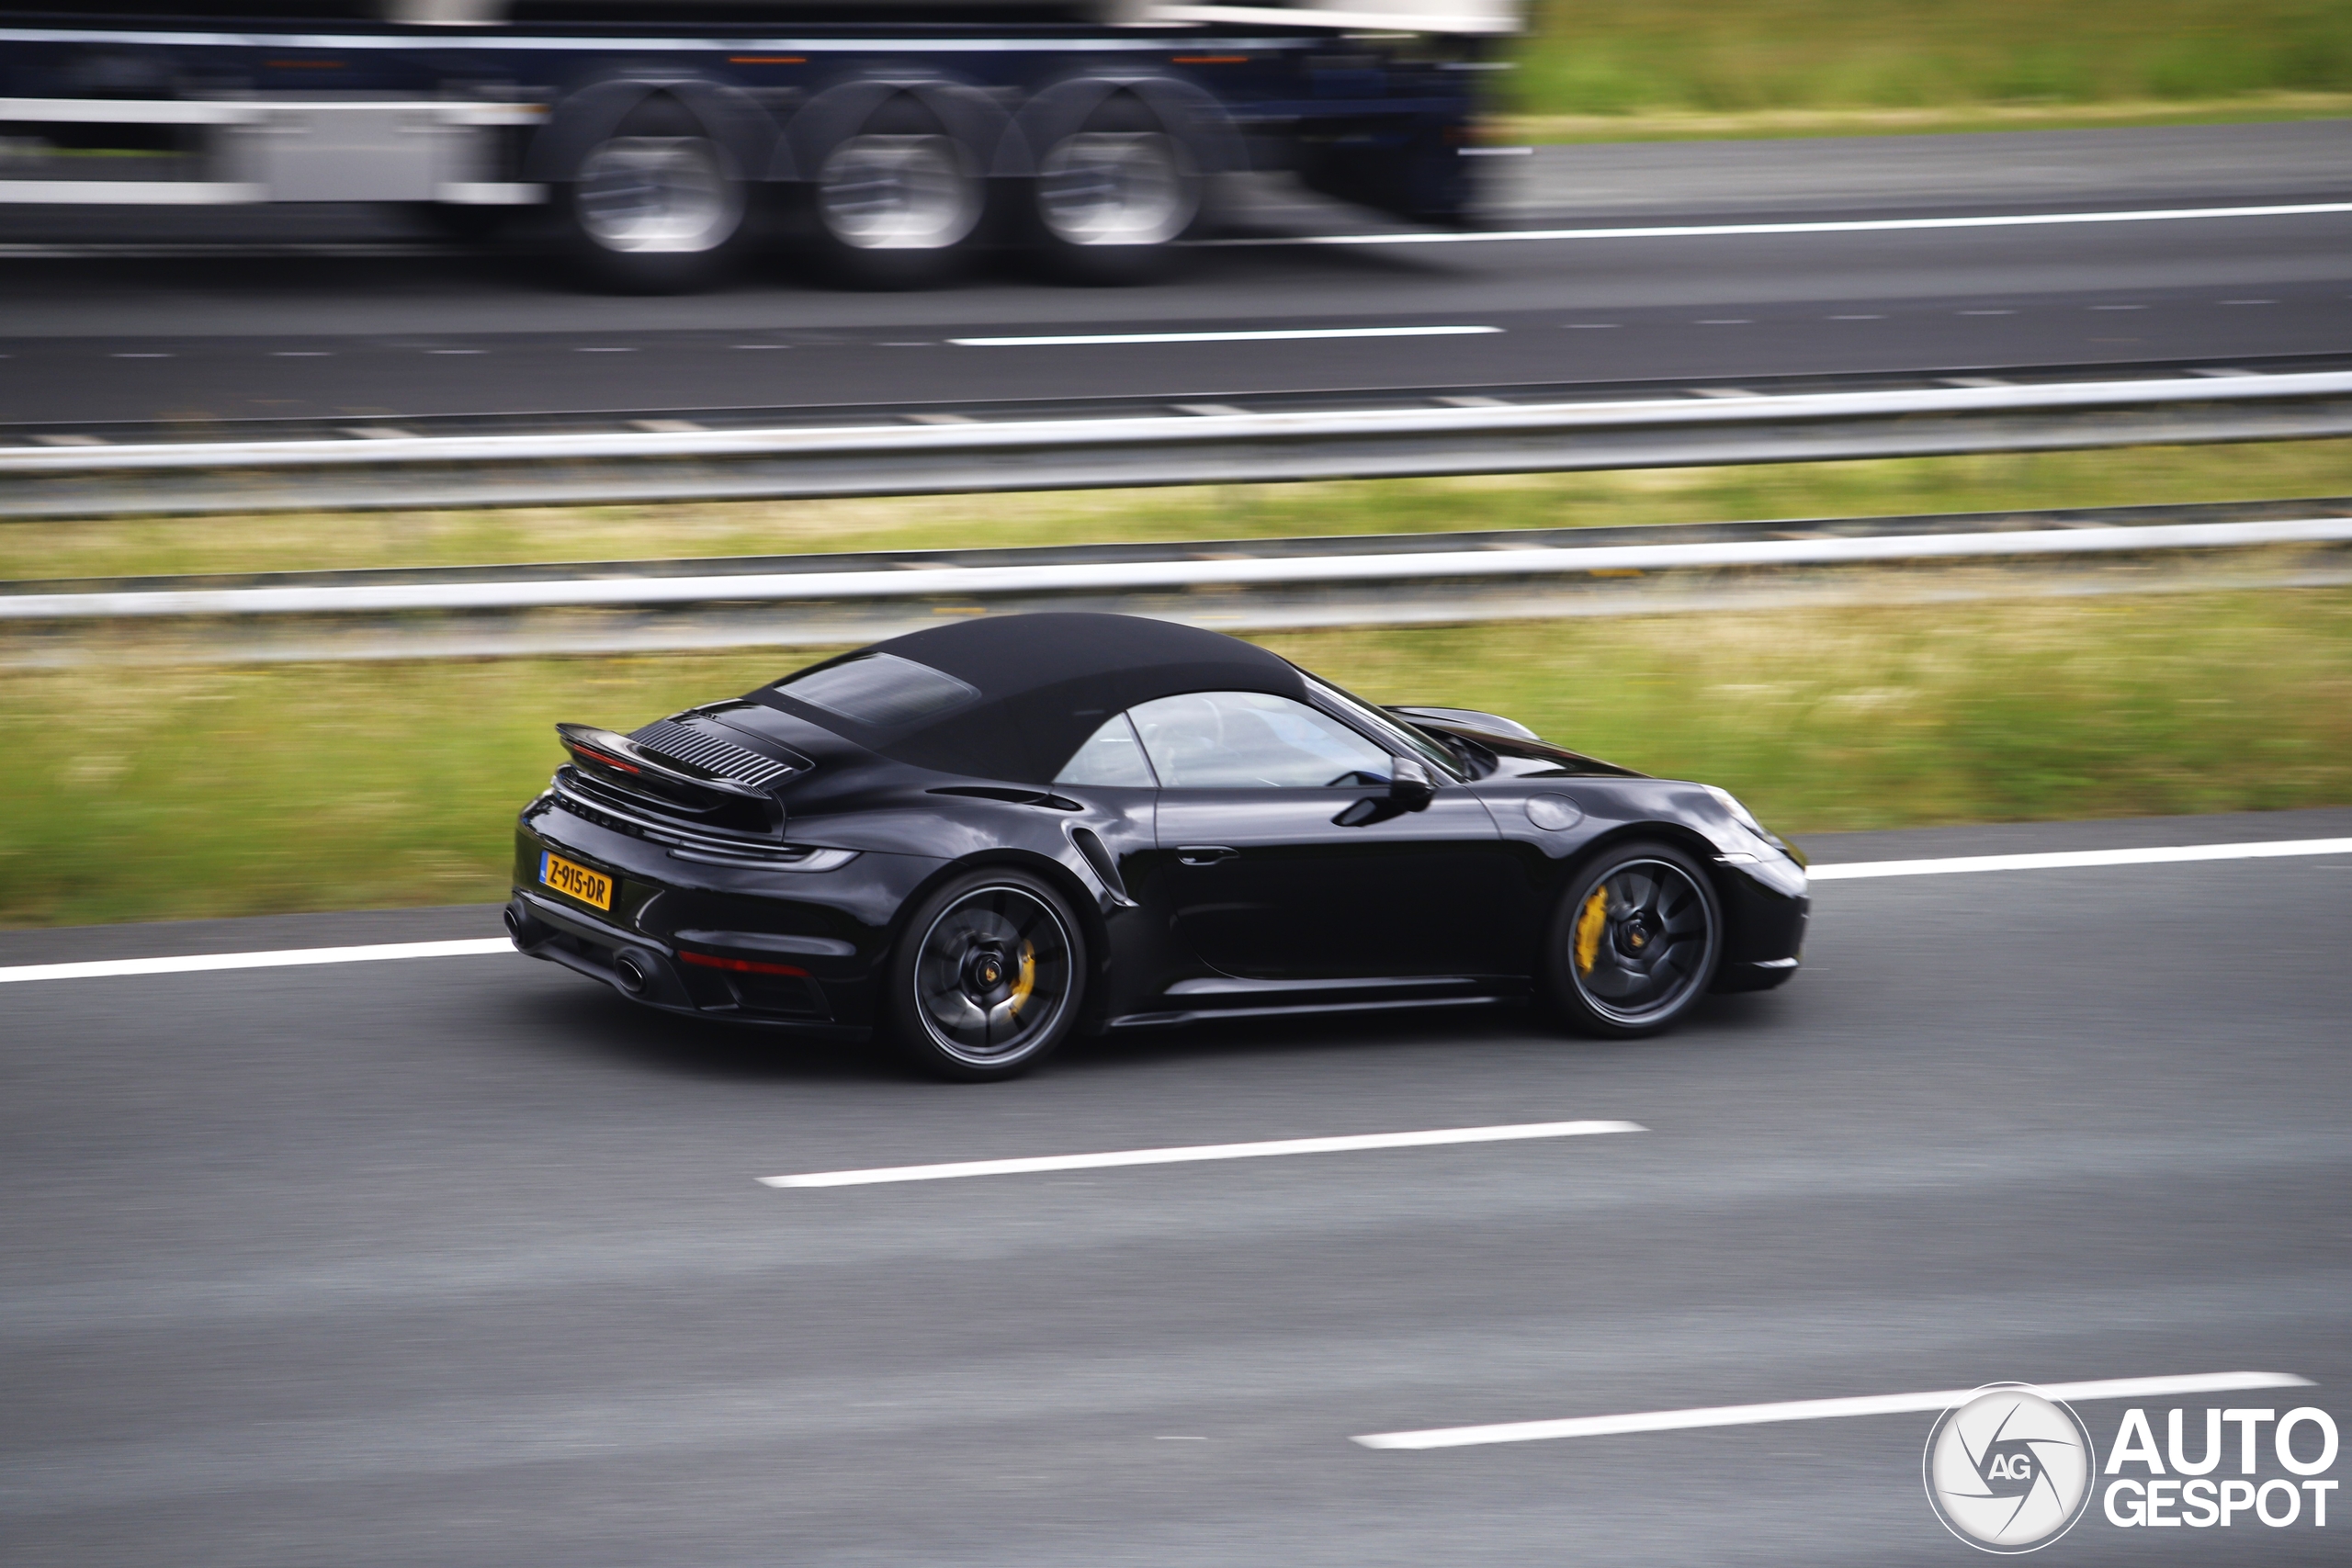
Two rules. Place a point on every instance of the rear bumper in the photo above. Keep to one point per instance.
(651, 975)
(795, 950)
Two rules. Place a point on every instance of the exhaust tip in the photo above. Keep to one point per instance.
(629, 968)
(525, 930)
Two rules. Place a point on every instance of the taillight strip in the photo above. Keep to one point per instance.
(740, 965)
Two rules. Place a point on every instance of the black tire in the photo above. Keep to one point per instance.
(986, 980)
(1635, 941)
(656, 208)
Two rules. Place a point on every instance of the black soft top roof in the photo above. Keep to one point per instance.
(1041, 685)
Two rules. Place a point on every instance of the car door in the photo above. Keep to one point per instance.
(1285, 859)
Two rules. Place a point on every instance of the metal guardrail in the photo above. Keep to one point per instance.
(1231, 585)
(1214, 446)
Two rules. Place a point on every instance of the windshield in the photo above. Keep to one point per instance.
(1407, 740)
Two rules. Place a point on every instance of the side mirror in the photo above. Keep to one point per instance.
(1409, 784)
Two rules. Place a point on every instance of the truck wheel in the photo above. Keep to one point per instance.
(894, 204)
(1111, 203)
(986, 980)
(653, 214)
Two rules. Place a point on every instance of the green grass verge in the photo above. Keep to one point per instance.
(177, 793)
(1932, 119)
(1996, 483)
(1632, 57)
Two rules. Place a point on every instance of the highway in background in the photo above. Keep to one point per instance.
(456, 1261)
(332, 313)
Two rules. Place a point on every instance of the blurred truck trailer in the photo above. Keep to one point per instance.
(884, 140)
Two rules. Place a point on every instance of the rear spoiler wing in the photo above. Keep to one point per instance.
(622, 763)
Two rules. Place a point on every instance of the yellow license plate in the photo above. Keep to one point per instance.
(575, 881)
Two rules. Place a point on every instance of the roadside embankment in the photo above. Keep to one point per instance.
(1815, 67)
(160, 795)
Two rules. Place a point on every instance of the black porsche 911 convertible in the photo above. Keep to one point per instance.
(977, 837)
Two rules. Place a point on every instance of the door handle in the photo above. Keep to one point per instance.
(1204, 854)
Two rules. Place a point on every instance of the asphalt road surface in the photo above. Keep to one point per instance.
(214, 316)
(460, 1261)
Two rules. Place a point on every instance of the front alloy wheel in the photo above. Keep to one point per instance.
(1636, 941)
(985, 983)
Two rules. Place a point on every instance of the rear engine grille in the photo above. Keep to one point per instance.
(570, 798)
(708, 753)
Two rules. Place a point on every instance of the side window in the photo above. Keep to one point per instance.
(1252, 740)
(1111, 757)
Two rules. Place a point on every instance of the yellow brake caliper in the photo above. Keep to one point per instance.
(1027, 981)
(1591, 920)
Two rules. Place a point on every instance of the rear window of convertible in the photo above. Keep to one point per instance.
(879, 689)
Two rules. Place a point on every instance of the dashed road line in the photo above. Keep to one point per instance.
(1843, 226)
(284, 958)
(2069, 859)
(1813, 1410)
(1285, 334)
(1039, 1163)
(1851, 871)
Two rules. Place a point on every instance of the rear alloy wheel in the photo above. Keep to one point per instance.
(894, 211)
(985, 982)
(651, 213)
(1636, 941)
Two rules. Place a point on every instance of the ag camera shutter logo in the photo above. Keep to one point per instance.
(2008, 1471)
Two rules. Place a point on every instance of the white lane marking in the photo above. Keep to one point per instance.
(473, 947)
(1847, 226)
(286, 958)
(1203, 1152)
(1281, 335)
(2065, 858)
(1812, 1410)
